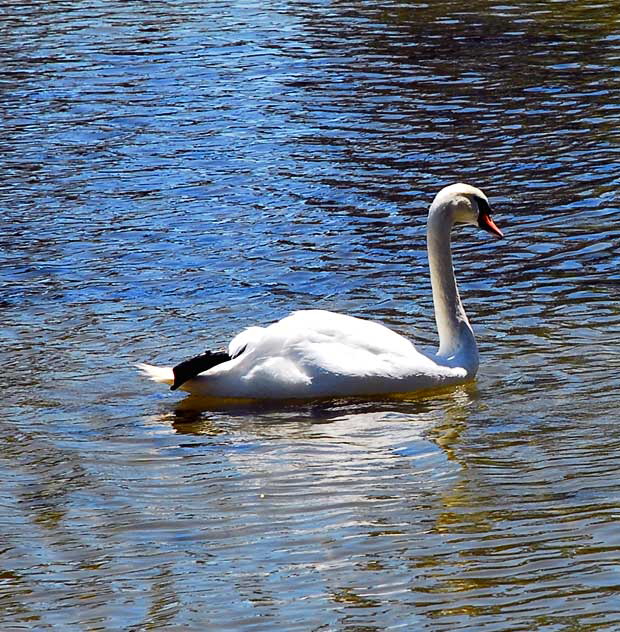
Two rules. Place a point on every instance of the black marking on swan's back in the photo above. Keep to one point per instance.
(191, 368)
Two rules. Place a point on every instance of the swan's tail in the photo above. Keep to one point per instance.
(161, 374)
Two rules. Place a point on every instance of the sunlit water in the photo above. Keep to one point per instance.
(174, 172)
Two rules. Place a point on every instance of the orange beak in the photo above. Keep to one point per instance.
(485, 222)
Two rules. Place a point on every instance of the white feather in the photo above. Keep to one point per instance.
(247, 337)
(161, 374)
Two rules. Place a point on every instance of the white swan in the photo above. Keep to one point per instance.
(315, 353)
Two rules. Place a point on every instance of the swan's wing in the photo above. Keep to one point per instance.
(319, 342)
(317, 353)
(353, 346)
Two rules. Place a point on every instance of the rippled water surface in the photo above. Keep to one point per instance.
(175, 171)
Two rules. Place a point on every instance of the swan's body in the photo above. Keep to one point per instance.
(316, 353)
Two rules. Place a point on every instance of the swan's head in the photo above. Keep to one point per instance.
(464, 204)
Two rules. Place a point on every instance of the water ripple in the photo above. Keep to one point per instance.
(177, 171)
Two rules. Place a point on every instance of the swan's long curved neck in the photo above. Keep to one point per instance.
(457, 345)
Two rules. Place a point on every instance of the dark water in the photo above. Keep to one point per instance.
(175, 171)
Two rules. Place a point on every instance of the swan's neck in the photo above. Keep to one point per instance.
(457, 346)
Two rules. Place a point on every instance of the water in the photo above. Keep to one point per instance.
(174, 172)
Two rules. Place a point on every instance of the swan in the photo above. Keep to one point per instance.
(320, 354)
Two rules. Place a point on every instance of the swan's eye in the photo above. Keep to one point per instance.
(483, 206)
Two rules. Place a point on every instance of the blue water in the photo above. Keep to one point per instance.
(174, 172)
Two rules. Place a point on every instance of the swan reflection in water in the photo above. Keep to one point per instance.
(392, 424)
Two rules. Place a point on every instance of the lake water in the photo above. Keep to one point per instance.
(173, 172)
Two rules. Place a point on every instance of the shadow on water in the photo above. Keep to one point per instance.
(440, 415)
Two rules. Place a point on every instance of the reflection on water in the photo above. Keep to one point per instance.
(175, 172)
